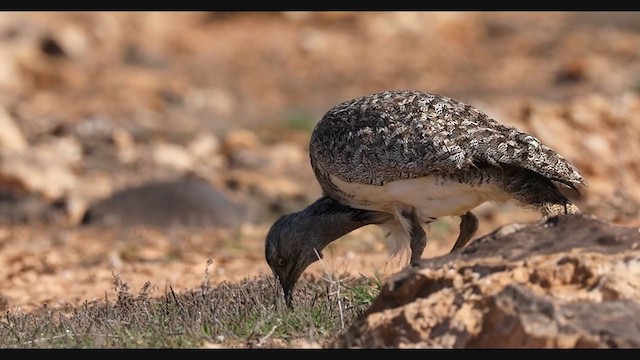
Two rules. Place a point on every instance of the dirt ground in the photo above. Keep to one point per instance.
(91, 103)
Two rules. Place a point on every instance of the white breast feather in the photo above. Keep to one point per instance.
(430, 196)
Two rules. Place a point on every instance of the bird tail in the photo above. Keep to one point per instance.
(532, 190)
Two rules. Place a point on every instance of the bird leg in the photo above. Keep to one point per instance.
(411, 224)
(468, 227)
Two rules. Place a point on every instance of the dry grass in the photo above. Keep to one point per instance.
(250, 313)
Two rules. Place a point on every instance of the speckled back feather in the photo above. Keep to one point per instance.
(403, 134)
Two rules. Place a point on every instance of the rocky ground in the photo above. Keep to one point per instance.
(147, 143)
(568, 282)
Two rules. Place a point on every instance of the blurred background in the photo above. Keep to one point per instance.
(146, 144)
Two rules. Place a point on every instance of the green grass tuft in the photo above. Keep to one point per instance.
(300, 121)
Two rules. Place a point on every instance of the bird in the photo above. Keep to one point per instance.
(401, 159)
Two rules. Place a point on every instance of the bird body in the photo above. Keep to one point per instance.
(406, 134)
(404, 158)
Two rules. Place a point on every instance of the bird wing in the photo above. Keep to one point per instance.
(502, 145)
(408, 134)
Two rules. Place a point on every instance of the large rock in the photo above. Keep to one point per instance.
(570, 281)
(188, 201)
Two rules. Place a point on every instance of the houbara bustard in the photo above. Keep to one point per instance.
(402, 159)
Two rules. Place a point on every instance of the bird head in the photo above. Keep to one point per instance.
(289, 250)
(294, 241)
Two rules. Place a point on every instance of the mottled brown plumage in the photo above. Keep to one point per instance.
(407, 134)
(404, 158)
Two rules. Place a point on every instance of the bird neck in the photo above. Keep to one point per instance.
(327, 220)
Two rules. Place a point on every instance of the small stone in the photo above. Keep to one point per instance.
(240, 139)
(171, 155)
(204, 145)
(11, 136)
(125, 143)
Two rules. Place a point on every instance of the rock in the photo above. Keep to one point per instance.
(189, 201)
(173, 156)
(304, 344)
(218, 101)
(17, 207)
(325, 18)
(33, 183)
(286, 157)
(11, 136)
(203, 146)
(126, 145)
(517, 318)
(41, 171)
(51, 47)
(569, 281)
(609, 19)
(240, 139)
(66, 149)
(75, 41)
(10, 77)
(249, 159)
(280, 159)
(142, 56)
(4, 303)
(94, 128)
(75, 208)
(244, 149)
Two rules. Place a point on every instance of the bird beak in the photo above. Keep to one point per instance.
(287, 287)
(288, 298)
(287, 281)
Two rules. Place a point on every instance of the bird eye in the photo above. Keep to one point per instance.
(281, 262)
